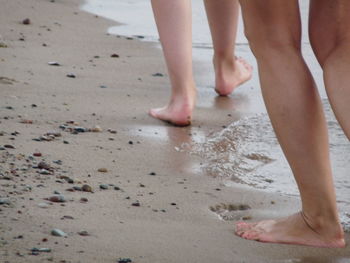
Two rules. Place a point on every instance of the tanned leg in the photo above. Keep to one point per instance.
(274, 31)
(230, 72)
(330, 38)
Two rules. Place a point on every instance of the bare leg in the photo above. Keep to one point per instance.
(295, 109)
(174, 22)
(223, 21)
(330, 38)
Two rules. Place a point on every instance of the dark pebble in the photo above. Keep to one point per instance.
(124, 260)
(114, 56)
(157, 75)
(83, 233)
(26, 21)
(86, 188)
(57, 199)
(71, 75)
(103, 186)
(137, 203)
(9, 146)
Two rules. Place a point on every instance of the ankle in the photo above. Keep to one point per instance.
(323, 223)
(222, 60)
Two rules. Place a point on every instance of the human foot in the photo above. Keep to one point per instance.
(296, 229)
(178, 112)
(230, 74)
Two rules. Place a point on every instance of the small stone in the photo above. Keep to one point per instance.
(112, 131)
(116, 188)
(84, 200)
(71, 75)
(25, 121)
(57, 199)
(103, 87)
(80, 129)
(66, 142)
(43, 205)
(102, 170)
(26, 21)
(9, 146)
(37, 154)
(124, 260)
(86, 188)
(114, 56)
(137, 203)
(44, 250)
(84, 233)
(96, 129)
(77, 188)
(5, 201)
(54, 63)
(157, 75)
(103, 187)
(2, 148)
(3, 45)
(173, 203)
(43, 165)
(44, 172)
(58, 233)
(152, 173)
(131, 142)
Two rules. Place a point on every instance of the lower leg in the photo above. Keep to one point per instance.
(330, 39)
(223, 21)
(337, 81)
(295, 110)
(173, 20)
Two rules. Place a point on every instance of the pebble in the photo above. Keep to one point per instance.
(157, 75)
(39, 250)
(58, 233)
(137, 203)
(26, 21)
(84, 200)
(44, 165)
(96, 129)
(37, 154)
(71, 75)
(9, 146)
(103, 87)
(25, 121)
(54, 63)
(84, 233)
(124, 260)
(102, 170)
(5, 201)
(44, 172)
(2, 148)
(80, 129)
(103, 186)
(43, 205)
(114, 56)
(86, 188)
(57, 199)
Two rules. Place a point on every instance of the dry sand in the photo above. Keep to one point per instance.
(173, 222)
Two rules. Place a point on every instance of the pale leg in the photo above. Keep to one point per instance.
(230, 72)
(174, 24)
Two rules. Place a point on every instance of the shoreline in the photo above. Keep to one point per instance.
(173, 221)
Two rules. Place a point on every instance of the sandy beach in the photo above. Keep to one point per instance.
(79, 154)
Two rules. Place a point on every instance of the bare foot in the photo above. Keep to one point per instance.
(295, 229)
(178, 112)
(231, 74)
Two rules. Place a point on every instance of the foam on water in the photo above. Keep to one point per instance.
(247, 152)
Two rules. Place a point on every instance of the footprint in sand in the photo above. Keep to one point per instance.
(232, 212)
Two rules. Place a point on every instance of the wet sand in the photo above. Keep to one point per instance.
(150, 202)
